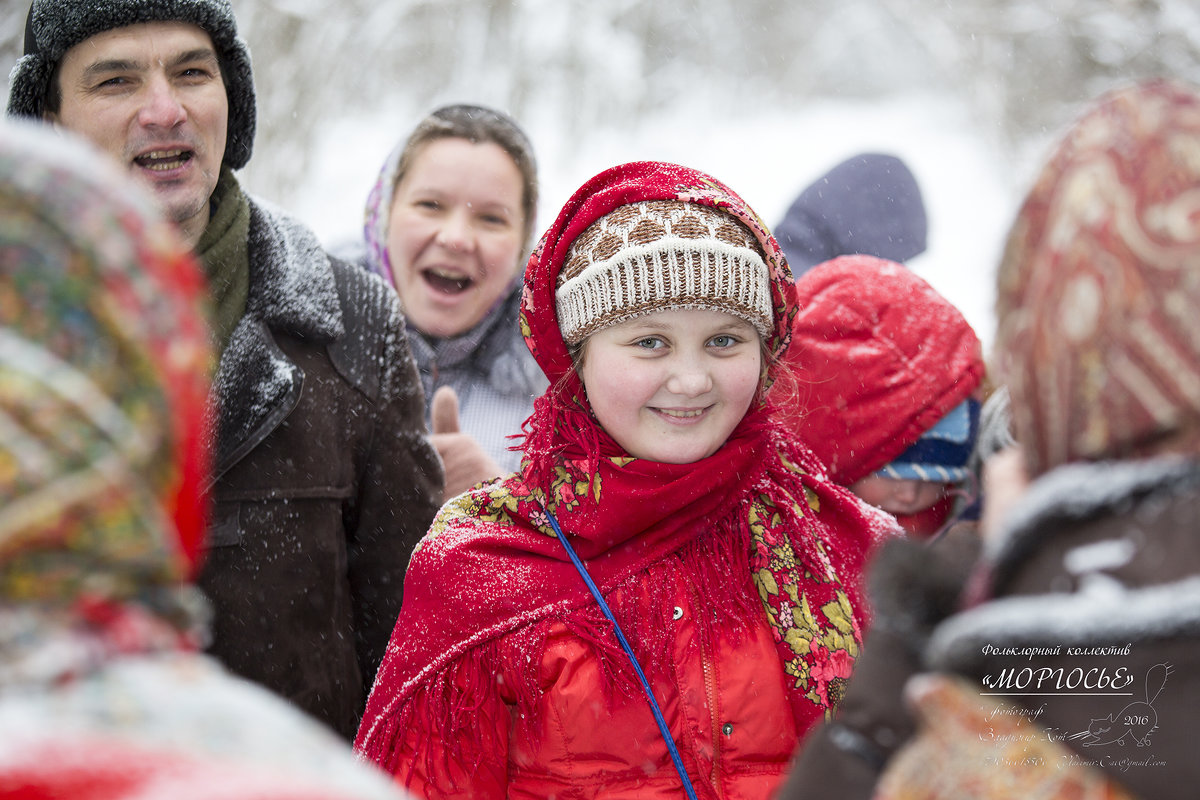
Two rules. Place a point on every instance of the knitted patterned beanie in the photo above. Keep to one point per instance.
(55, 26)
(659, 255)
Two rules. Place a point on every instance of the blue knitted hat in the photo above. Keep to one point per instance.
(942, 452)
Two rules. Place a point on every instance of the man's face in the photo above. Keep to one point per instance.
(152, 96)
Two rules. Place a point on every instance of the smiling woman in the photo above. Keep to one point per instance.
(448, 223)
(454, 236)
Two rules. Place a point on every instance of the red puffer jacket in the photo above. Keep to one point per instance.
(503, 677)
(726, 706)
(879, 357)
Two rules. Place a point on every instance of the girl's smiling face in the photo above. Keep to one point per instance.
(671, 386)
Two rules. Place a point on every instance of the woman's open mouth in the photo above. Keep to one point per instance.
(446, 283)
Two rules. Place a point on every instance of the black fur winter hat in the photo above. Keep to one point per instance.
(55, 26)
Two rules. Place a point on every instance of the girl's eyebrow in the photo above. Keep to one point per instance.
(739, 325)
(640, 331)
(735, 322)
(668, 326)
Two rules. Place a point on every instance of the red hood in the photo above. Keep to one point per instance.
(879, 357)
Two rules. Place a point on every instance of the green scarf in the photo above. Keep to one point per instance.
(226, 257)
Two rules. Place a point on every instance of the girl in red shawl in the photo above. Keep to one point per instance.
(658, 306)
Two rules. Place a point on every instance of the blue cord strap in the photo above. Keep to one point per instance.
(654, 709)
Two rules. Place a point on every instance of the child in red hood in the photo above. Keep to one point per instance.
(888, 373)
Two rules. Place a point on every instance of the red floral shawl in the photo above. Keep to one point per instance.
(755, 525)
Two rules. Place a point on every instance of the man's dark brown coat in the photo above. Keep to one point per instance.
(324, 478)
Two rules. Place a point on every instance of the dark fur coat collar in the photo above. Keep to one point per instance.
(292, 291)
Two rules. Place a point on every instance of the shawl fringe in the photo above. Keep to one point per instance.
(715, 570)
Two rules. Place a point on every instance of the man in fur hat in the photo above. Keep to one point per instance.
(323, 476)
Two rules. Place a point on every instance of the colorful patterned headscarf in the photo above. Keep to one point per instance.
(1098, 337)
(104, 364)
(378, 215)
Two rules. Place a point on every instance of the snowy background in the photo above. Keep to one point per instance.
(764, 94)
(767, 157)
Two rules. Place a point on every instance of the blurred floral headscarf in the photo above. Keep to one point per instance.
(1098, 290)
(104, 368)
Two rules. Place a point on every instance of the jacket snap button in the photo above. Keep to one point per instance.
(727, 728)
(678, 613)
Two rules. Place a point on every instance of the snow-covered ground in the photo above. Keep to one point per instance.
(970, 190)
